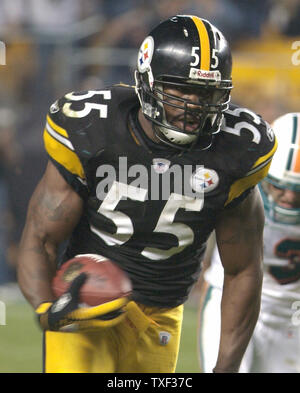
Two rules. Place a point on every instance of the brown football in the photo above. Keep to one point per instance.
(105, 281)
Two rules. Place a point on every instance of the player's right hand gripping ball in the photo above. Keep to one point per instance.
(100, 297)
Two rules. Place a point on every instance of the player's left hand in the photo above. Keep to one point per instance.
(65, 314)
(56, 315)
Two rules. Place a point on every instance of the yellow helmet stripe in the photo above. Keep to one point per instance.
(204, 43)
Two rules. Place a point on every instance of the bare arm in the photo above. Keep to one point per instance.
(239, 235)
(205, 264)
(54, 210)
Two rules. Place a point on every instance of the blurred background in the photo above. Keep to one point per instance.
(57, 46)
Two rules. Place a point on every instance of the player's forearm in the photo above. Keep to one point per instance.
(240, 309)
(53, 212)
(35, 269)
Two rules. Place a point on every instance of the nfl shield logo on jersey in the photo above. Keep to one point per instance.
(204, 180)
(164, 338)
(160, 165)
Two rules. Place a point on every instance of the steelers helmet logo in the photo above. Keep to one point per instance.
(145, 54)
(204, 180)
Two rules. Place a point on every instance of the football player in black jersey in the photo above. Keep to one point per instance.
(142, 175)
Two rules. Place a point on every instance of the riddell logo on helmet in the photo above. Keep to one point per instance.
(202, 74)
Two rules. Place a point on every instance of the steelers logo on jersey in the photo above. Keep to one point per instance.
(204, 180)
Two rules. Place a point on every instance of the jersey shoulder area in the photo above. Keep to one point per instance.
(248, 130)
(248, 137)
(76, 117)
(76, 110)
(251, 144)
(76, 125)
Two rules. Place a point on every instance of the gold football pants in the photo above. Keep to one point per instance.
(146, 341)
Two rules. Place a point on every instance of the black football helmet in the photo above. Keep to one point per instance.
(187, 54)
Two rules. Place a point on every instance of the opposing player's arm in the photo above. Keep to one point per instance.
(54, 210)
(239, 236)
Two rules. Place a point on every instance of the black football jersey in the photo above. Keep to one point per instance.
(148, 207)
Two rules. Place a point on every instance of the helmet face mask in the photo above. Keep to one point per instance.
(170, 82)
(284, 173)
